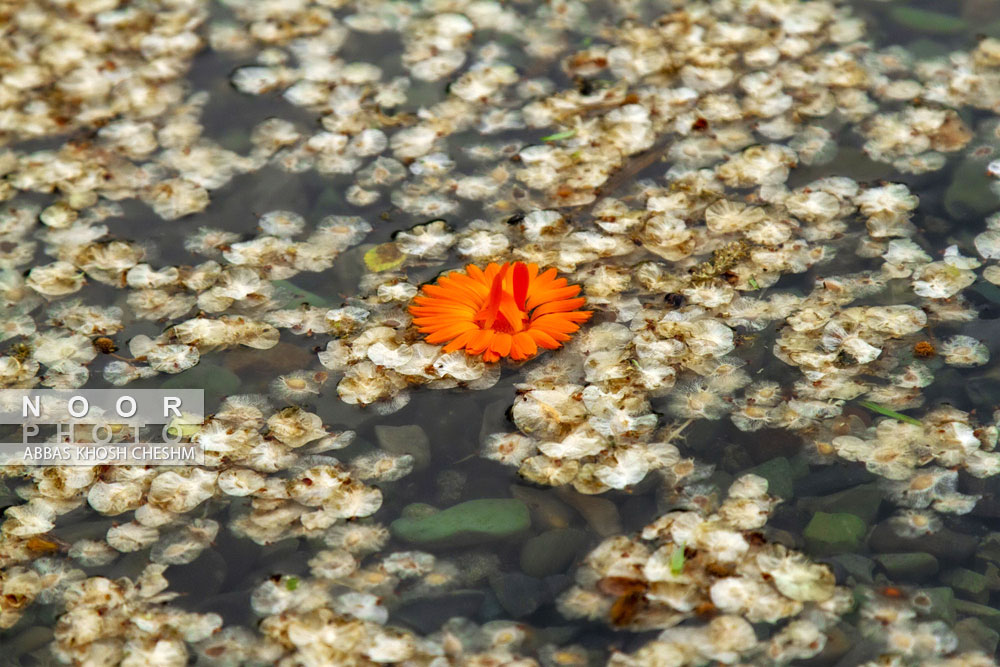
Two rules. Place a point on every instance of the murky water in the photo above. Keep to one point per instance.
(908, 531)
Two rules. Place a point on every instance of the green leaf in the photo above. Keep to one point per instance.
(384, 257)
(291, 294)
(559, 136)
(875, 407)
(753, 283)
(292, 583)
(677, 559)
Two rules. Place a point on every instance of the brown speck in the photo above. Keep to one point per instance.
(105, 345)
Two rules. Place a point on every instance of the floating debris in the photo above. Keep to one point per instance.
(715, 183)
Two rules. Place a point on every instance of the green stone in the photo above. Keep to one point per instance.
(518, 594)
(862, 501)
(778, 473)
(989, 548)
(908, 566)
(988, 615)
(857, 566)
(969, 194)
(974, 635)
(923, 20)
(988, 291)
(990, 29)
(925, 49)
(799, 466)
(967, 584)
(855, 162)
(218, 382)
(834, 533)
(942, 603)
(468, 523)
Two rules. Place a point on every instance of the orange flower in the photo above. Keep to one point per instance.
(506, 310)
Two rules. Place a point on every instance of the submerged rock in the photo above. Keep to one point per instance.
(216, 380)
(988, 615)
(29, 640)
(834, 533)
(600, 513)
(855, 565)
(862, 501)
(968, 584)
(551, 552)
(519, 594)
(945, 544)
(908, 566)
(410, 439)
(831, 479)
(939, 602)
(924, 20)
(969, 194)
(547, 511)
(779, 475)
(429, 614)
(472, 522)
(974, 635)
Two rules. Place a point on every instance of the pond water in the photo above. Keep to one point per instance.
(771, 442)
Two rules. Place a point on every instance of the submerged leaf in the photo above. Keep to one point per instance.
(875, 407)
(559, 136)
(384, 257)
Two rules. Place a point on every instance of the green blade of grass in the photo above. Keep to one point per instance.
(875, 407)
(558, 136)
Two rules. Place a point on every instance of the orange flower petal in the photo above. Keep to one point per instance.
(552, 294)
(460, 342)
(452, 296)
(501, 344)
(477, 274)
(558, 306)
(450, 332)
(543, 339)
(523, 346)
(555, 322)
(478, 343)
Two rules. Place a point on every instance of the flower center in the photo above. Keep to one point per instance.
(504, 310)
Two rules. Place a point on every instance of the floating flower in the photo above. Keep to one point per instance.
(504, 310)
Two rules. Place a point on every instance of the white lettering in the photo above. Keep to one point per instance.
(97, 438)
(26, 406)
(62, 434)
(25, 433)
(171, 435)
(118, 406)
(73, 401)
(171, 404)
